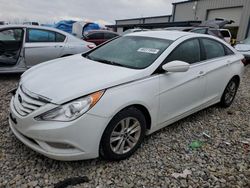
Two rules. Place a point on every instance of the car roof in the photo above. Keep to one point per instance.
(185, 28)
(163, 34)
(178, 28)
(138, 29)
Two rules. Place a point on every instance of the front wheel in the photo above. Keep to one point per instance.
(229, 93)
(123, 135)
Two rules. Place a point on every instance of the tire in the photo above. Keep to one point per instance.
(229, 93)
(127, 130)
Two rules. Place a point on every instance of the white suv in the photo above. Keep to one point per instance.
(227, 35)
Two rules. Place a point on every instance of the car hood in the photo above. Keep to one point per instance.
(68, 78)
(242, 47)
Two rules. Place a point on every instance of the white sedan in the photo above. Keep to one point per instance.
(23, 46)
(244, 48)
(104, 102)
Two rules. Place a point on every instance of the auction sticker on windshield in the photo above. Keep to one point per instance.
(148, 50)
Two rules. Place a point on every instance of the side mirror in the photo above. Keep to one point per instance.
(176, 66)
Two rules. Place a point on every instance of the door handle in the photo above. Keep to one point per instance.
(201, 73)
(58, 46)
(228, 62)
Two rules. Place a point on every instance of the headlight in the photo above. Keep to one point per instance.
(71, 110)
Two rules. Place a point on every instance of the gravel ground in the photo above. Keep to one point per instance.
(222, 160)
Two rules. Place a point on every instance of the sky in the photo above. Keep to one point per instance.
(106, 11)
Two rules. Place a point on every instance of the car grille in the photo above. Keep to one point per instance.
(25, 104)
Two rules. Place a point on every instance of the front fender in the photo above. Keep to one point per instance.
(144, 92)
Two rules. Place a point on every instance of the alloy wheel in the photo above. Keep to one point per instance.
(125, 135)
(230, 92)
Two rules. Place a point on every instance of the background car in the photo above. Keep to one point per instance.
(99, 36)
(227, 35)
(23, 46)
(31, 23)
(244, 48)
(134, 30)
(201, 30)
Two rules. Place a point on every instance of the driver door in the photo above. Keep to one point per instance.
(182, 92)
(11, 42)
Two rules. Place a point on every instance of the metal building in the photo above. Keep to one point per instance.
(145, 22)
(237, 10)
(149, 23)
(194, 11)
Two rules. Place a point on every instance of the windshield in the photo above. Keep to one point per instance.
(130, 51)
(246, 41)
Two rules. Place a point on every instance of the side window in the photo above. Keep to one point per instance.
(212, 48)
(11, 35)
(228, 51)
(109, 35)
(188, 51)
(95, 36)
(60, 37)
(38, 35)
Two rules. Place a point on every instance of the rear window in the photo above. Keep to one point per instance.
(96, 36)
(60, 37)
(110, 35)
(225, 33)
(201, 31)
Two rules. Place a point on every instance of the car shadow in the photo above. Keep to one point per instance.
(10, 76)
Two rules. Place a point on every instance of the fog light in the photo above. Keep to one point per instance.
(60, 145)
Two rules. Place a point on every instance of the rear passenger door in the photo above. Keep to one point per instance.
(11, 43)
(217, 58)
(182, 92)
(42, 45)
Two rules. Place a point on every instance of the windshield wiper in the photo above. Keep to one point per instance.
(108, 62)
(113, 63)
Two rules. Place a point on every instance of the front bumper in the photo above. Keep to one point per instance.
(67, 141)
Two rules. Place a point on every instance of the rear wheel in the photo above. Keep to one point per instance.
(229, 93)
(123, 135)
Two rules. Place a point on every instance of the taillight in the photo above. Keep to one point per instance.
(244, 61)
(91, 46)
